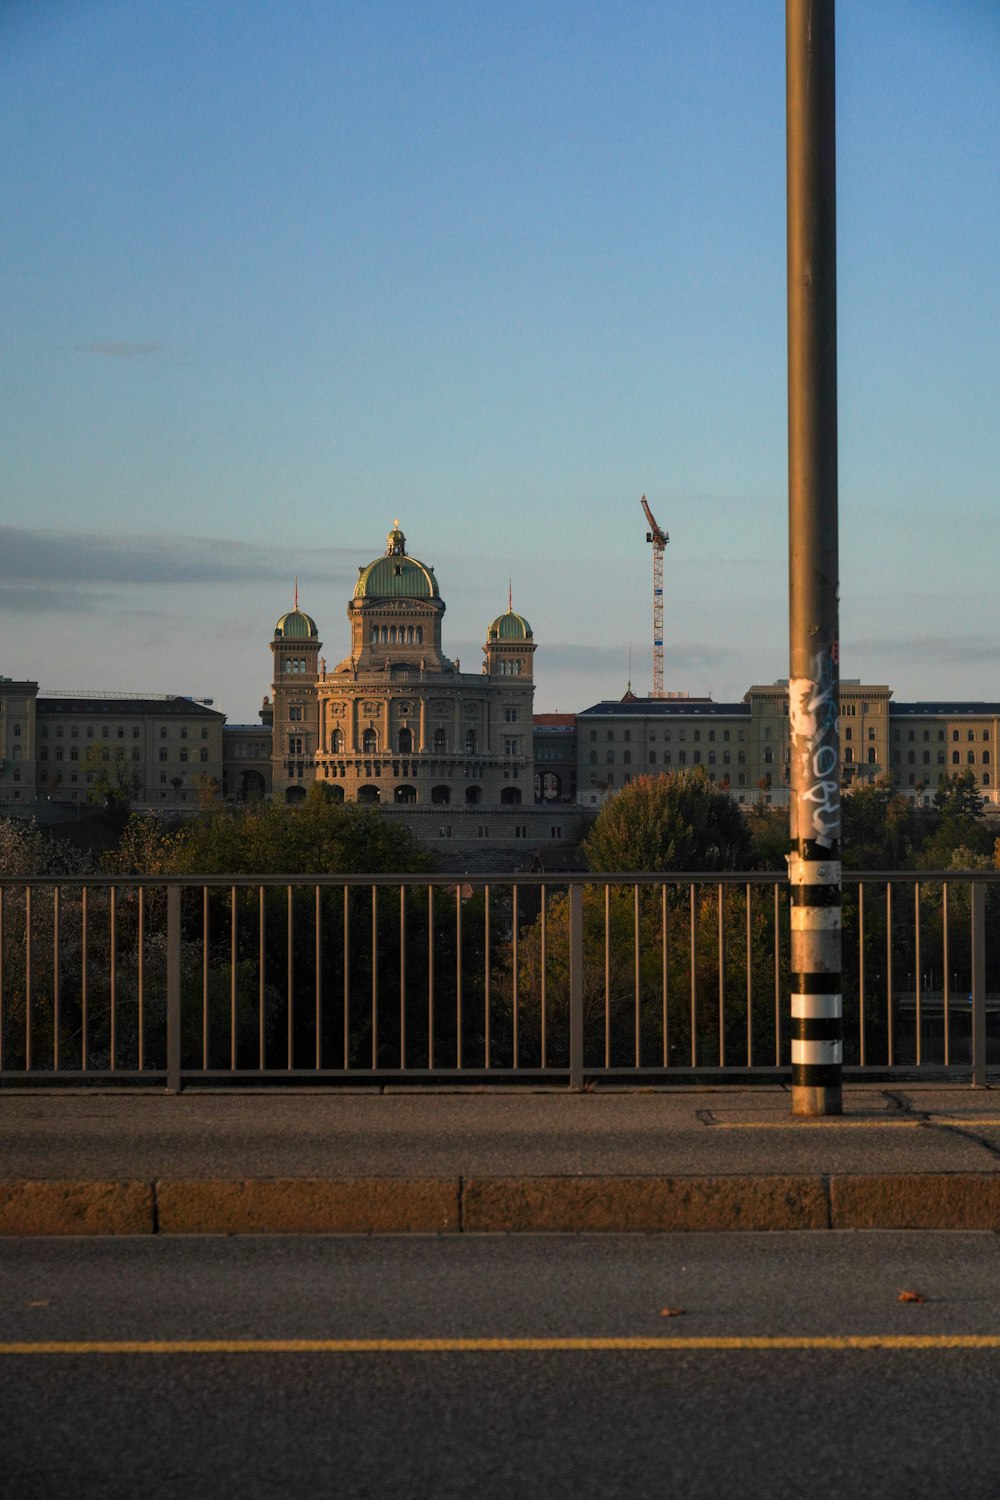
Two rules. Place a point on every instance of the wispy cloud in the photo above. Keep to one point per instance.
(78, 560)
(120, 349)
(960, 650)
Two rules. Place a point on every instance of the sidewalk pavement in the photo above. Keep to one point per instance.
(415, 1160)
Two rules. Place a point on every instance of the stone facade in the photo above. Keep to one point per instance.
(745, 746)
(164, 751)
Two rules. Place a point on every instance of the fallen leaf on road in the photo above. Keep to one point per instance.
(671, 1312)
(911, 1297)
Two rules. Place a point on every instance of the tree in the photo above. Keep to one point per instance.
(113, 780)
(959, 796)
(316, 837)
(678, 821)
(877, 827)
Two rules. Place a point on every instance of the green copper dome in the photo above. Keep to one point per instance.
(296, 626)
(396, 576)
(509, 627)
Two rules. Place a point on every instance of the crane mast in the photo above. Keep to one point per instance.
(659, 539)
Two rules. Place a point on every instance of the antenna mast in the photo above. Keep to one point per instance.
(659, 539)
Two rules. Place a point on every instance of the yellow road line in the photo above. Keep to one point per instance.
(835, 1122)
(837, 1342)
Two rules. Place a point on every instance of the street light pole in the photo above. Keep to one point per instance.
(814, 669)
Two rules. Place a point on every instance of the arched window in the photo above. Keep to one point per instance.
(971, 757)
(440, 794)
(511, 796)
(473, 794)
(871, 755)
(405, 794)
(848, 756)
(337, 742)
(405, 748)
(368, 794)
(420, 635)
(470, 742)
(440, 741)
(369, 742)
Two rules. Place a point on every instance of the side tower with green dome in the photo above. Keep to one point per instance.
(295, 648)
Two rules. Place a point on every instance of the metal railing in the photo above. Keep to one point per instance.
(395, 978)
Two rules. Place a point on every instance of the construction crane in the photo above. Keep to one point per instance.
(659, 539)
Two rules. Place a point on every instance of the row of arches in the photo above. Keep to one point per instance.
(397, 635)
(402, 794)
(404, 742)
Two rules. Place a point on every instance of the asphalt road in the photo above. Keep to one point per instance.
(686, 1418)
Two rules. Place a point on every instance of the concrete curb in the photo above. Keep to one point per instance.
(491, 1205)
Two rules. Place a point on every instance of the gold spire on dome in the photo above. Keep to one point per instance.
(395, 542)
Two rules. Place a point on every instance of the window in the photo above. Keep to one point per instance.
(971, 735)
(911, 758)
(593, 757)
(940, 757)
(986, 757)
(871, 755)
(696, 757)
(954, 757)
(204, 734)
(104, 732)
(726, 757)
(927, 734)
(121, 732)
(510, 744)
(510, 715)
(652, 757)
(627, 735)
(611, 757)
(163, 778)
(768, 756)
(697, 734)
(711, 757)
(627, 757)
(135, 734)
(954, 734)
(986, 778)
(295, 713)
(725, 736)
(711, 734)
(927, 757)
(611, 735)
(202, 756)
(871, 731)
(848, 756)
(986, 734)
(971, 757)
(681, 758)
(163, 734)
(849, 734)
(163, 756)
(184, 756)
(184, 734)
(337, 742)
(593, 735)
(440, 741)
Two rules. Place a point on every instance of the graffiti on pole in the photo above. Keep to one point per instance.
(812, 711)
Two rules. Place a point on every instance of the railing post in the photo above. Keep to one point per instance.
(978, 985)
(576, 986)
(173, 989)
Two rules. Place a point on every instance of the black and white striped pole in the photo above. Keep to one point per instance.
(814, 672)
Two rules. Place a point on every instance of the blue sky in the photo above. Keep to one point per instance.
(272, 275)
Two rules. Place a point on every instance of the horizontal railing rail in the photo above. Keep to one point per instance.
(180, 979)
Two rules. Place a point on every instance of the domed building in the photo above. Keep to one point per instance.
(397, 721)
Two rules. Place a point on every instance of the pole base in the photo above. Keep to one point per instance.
(817, 1101)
